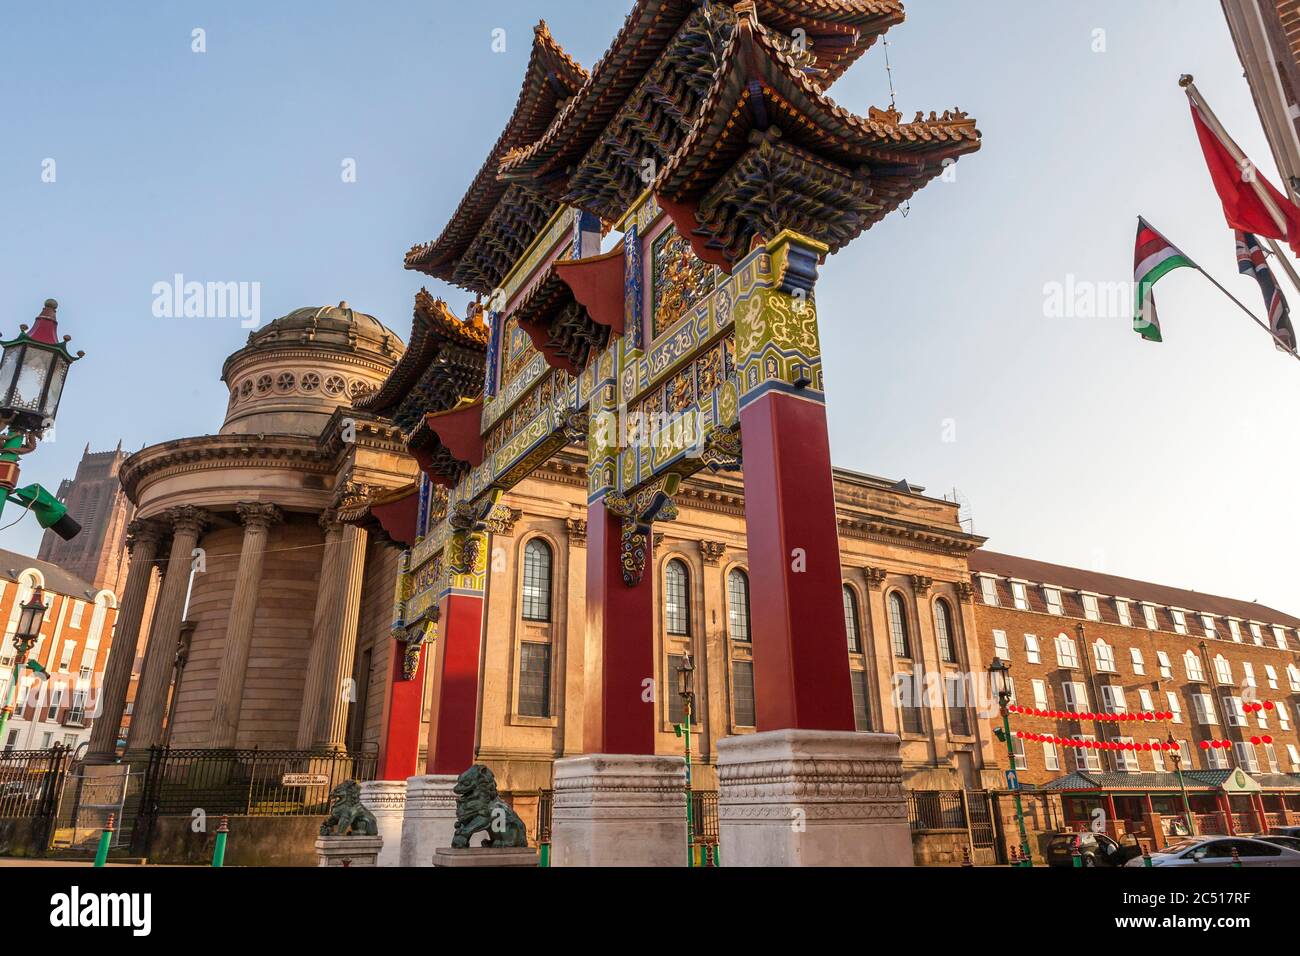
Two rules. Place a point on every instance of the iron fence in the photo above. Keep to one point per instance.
(545, 805)
(936, 810)
(704, 817)
(30, 781)
(249, 782)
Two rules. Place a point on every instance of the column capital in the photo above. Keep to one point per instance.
(576, 529)
(713, 551)
(185, 518)
(253, 515)
(329, 521)
(143, 530)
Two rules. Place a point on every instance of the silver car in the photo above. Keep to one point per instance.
(1217, 851)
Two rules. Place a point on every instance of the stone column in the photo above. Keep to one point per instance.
(323, 720)
(620, 810)
(325, 591)
(187, 524)
(257, 520)
(144, 538)
(812, 798)
(386, 799)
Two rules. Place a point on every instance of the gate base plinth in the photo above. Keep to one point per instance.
(428, 819)
(619, 810)
(812, 798)
(349, 850)
(386, 799)
(477, 857)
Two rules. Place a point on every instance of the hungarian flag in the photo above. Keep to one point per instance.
(1250, 202)
(1251, 261)
(1154, 257)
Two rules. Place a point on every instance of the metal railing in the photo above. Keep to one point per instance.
(31, 780)
(249, 782)
(704, 816)
(936, 810)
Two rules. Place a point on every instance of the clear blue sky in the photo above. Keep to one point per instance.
(1076, 442)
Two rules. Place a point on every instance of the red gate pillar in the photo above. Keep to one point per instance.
(620, 692)
(801, 667)
(453, 713)
(399, 740)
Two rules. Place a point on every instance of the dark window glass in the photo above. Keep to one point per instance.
(910, 705)
(958, 714)
(742, 693)
(537, 581)
(534, 679)
(851, 620)
(738, 605)
(898, 626)
(677, 612)
(860, 719)
(944, 631)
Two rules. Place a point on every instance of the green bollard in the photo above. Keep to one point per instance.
(1146, 857)
(544, 855)
(219, 851)
(105, 841)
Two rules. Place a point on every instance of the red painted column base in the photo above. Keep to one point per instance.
(620, 710)
(455, 688)
(399, 742)
(801, 657)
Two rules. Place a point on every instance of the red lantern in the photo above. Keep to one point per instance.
(1256, 741)
(1205, 745)
(1267, 738)
(1268, 705)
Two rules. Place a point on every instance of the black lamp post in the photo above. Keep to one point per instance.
(686, 690)
(33, 369)
(26, 633)
(1000, 682)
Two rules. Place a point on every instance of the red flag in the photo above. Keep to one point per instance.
(1250, 202)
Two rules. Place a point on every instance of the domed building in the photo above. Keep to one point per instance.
(271, 620)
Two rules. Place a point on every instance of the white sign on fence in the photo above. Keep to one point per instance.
(305, 780)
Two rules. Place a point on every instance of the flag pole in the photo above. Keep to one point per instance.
(1282, 345)
(1240, 158)
(1286, 263)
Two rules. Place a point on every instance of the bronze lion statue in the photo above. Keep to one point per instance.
(347, 816)
(479, 809)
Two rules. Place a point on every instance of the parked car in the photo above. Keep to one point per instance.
(1217, 851)
(1095, 849)
(1290, 842)
(1285, 831)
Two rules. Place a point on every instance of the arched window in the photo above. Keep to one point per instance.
(537, 581)
(898, 626)
(944, 630)
(677, 608)
(851, 620)
(738, 605)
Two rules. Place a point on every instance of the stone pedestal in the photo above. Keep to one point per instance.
(348, 850)
(386, 799)
(619, 810)
(428, 819)
(812, 798)
(486, 856)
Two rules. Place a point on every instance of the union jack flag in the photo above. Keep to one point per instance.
(1252, 262)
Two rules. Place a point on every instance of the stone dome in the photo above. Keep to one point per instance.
(294, 373)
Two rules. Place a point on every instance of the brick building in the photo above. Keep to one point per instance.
(76, 637)
(95, 498)
(1086, 643)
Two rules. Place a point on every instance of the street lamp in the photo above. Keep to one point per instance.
(27, 632)
(1177, 754)
(686, 690)
(33, 369)
(1000, 682)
